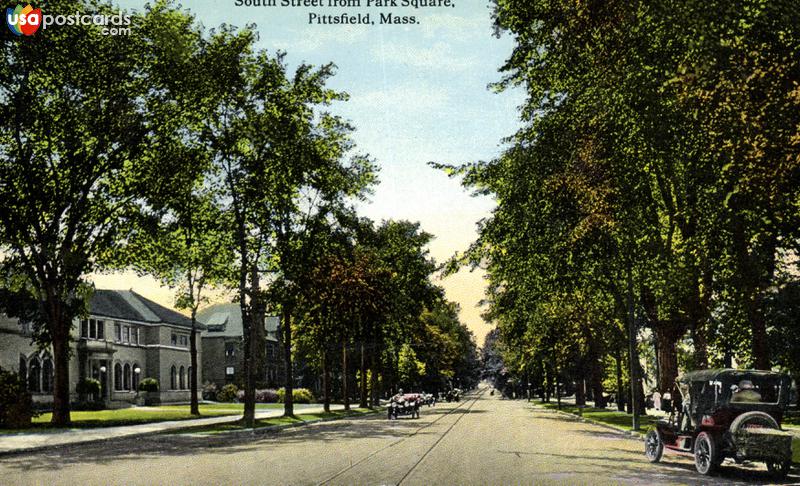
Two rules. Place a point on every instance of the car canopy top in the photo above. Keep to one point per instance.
(729, 375)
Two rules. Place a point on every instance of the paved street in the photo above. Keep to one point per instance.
(481, 440)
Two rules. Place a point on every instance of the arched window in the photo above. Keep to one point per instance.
(189, 377)
(126, 377)
(118, 377)
(47, 375)
(23, 369)
(173, 378)
(135, 378)
(183, 378)
(34, 374)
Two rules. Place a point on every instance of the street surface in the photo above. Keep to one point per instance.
(480, 440)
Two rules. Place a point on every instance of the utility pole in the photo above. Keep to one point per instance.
(634, 376)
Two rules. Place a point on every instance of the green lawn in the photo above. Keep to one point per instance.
(620, 420)
(261, 423)
(135, 415)
(239, 407)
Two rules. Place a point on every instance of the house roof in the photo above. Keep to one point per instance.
(128, 305)
(225, 320)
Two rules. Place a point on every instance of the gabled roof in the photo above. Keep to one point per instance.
(128, 305)
(225, 320)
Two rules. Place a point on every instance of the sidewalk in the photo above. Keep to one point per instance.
(27, 442)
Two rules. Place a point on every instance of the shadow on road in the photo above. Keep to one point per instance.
(187, 444)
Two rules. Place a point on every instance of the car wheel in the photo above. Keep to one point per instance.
(653, 446)
(779, 470)
(753, 418)
(705, 454)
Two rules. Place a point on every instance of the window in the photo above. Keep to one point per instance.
(135, 335)
(101, 329)
(183, 378)
(47, 375)
(34, 373)
(184, 340)
(118, 332)
(189, 377)
(84, 328)
(174, 340)
(230, 350)
(25, 328)
(118, 377)
(229, 370)
(126, 377)
(173, 378)
(126, 334)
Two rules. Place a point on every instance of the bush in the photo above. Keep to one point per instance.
(299, 395)
(148, 385)
(88, 386)
(210, 391)
(228, 393)
(267, 396)
(16, 404)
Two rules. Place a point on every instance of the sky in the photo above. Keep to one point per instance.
(418, 93)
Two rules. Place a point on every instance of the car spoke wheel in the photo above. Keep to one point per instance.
(705, 454)
(653, 446)
(779, 469)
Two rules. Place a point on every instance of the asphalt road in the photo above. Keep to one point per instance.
(480, 440)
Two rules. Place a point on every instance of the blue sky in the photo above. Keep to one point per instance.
(418, 93)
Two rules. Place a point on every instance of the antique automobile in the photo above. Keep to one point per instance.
(404, 405)
(726, 413)
(453, 395)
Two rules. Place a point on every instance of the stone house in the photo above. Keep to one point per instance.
(223, 356)
(125, 339)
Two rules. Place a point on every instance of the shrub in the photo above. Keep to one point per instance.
(16, 404)
(88, 386)
(299, 395)
(148, 385)
(267, 396)
(210, 391)
(228, 393)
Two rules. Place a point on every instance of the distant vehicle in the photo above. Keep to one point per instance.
(453, 395)
(402, 405)
(727, 413)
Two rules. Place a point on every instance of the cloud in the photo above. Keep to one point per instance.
(399, 99)
(311, 39)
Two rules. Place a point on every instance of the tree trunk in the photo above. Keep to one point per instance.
(548, 383)
(61, 413)
(345, 378)
(580, 395)
(374, 393)
(620, 387)
(363, 392)
(667, 337)
(326, 387)
(288, 402)
(194, 408)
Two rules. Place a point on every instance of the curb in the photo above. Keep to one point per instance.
(268, 428)
(578, 418)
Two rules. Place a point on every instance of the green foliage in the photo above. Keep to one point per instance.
(299, 395)
(658, 147)
(88, 386)
(16, 404)
(227, 393)
(148, 385)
